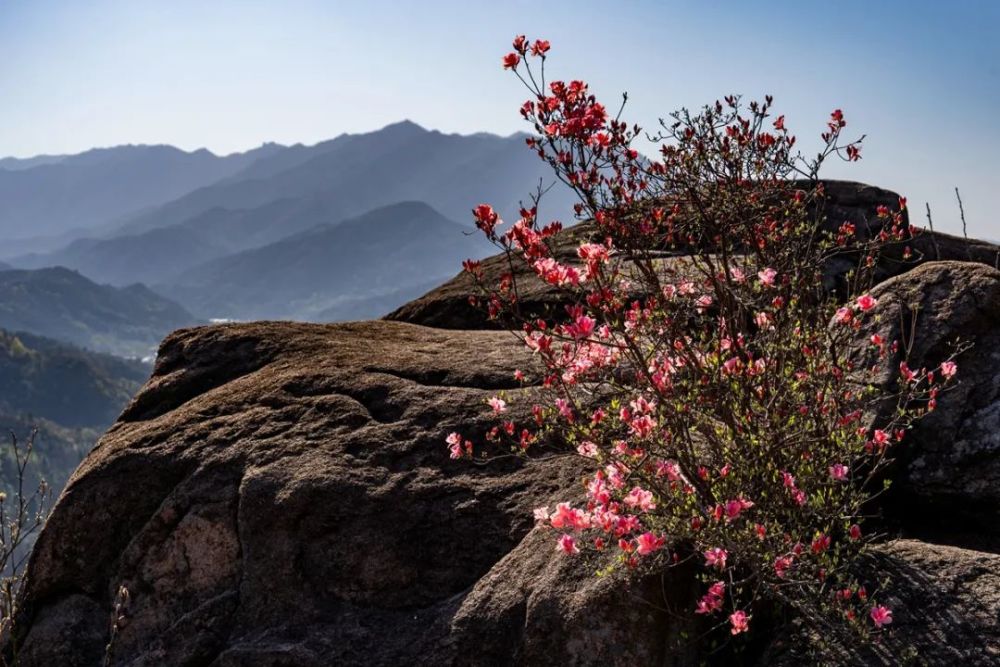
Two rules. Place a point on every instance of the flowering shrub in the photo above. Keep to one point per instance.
(704, 364)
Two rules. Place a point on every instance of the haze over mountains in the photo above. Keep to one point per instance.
(257, 237)
(47, 197)
(382, 255)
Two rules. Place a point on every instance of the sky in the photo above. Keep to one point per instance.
(920, 79)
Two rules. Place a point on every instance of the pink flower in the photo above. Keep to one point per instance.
(781, 565)
(668, 469)
(712, 600)
(708, 604)
(948, 369)
(716, 557)
(740, 622)
(642, 426)
(648, 543)
(733, 508)
(905, 371)
(519, 375)
(732, 365)
(881, 616)
(454, 442)
(582, 328)
(855, 532)
(767, 276)
(866, 302)
(498, 404)
(844, 315)
(567, 544)
(640, 499)
(567, 517)
(876, 340)
(880, 437)
(594, 254)
(839, 471)
(541, 514)
(555, 273)
(763, 320)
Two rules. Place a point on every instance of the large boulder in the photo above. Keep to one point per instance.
(950, 470)
(281, 494)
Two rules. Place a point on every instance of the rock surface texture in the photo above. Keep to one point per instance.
(951, 460)
(280, 494)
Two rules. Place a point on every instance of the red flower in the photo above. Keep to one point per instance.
(486, 218)
(539, 47)
(511, 60)
(820, 544)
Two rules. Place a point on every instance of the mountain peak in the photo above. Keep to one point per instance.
(405, 125)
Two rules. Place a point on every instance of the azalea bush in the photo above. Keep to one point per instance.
(707, 363)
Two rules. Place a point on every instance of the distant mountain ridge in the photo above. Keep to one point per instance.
(68, 394)
(333, 272)
(54, 195)
(65, 384)
(293, 189)
(63, 305)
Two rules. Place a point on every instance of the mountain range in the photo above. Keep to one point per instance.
(69, 395)
(49, 197)
(333, 271)
(261, 240)
(64, 305)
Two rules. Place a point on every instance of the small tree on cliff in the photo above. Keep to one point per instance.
(703, 363)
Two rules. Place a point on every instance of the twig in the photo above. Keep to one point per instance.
(965, 233)
(930, 222)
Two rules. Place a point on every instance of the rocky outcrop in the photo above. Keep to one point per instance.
(951, 460)
(448, 306)
(280, 494)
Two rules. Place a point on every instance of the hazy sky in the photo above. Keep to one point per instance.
(922, 79)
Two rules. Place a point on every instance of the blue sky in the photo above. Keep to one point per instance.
(921, 79)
